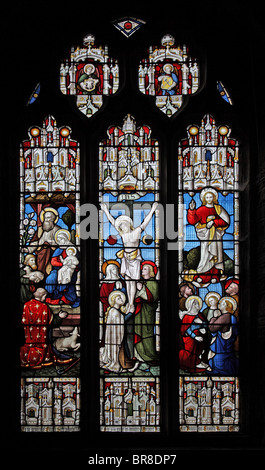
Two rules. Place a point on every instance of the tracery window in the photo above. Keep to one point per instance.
(50, 279)
(208, 130)
(208, 172)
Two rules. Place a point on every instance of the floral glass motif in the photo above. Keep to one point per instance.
(50, 278)
(89, 74)
(208, 199)
(128, 26)
(129, 260)
(169, 74)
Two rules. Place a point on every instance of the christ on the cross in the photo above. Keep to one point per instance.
(131, 254)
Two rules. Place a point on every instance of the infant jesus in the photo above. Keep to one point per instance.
(69, 265)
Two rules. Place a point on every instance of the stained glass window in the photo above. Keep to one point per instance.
(89, 74)
(208, 178)
(129, 261)
(169, 74)
(164, 73)
(50, 279)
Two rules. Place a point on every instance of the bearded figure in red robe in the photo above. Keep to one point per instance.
(37, 317)
(211, 221)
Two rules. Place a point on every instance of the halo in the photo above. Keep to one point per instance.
(193, 297)
(231, 300)
(62, 230)
(49, 209)
(168, 65)
(106, 263)
(115, 292)
(121, 219)
(72, 248)
(212, 294)
(208, 190)
(89, 66)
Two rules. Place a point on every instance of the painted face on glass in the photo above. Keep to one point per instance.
(48, 221)
(119, 300)
(195, 306)
(145, 272)
(232, 289)
(125, 227)
(114, 269)
(209, 198)
(212, 301)
(222, 306)
(188, 291)
(167, 69)
(62, 239)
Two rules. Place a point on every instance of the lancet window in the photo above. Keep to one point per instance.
(129, 260)
(208, 198)
(50, 279)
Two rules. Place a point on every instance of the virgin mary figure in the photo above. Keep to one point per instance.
(210, 221)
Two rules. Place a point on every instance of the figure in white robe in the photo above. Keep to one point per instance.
(69, 265)
(114, 333)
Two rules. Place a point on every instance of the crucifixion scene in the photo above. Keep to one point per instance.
(129, 295)
(129, 253)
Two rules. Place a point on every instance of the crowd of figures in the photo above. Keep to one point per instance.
(128, 337)
(50, 292)
(129, 293)
(209, 336)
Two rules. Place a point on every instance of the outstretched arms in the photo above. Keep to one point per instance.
(143, 225)
(104, 207)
